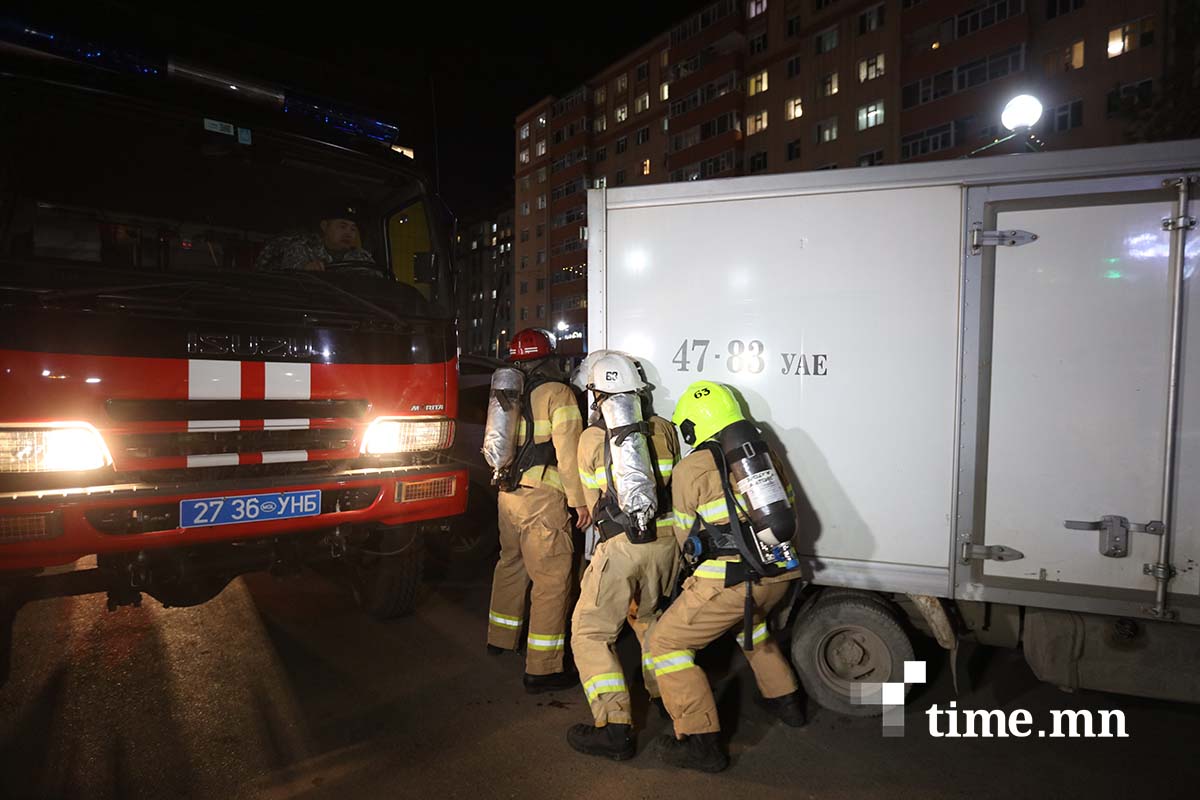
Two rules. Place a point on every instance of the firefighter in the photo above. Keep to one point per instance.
(733, 580)
(536, 545)
(625, 462)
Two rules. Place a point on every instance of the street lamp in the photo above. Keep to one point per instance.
(1020, 114)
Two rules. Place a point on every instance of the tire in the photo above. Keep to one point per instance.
(836, 593)
(474, 536)
(844, 640)
(387, 586)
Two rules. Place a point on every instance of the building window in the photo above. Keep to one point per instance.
(641, 103)
(827, 130)
(932, 140)
(524, 313)
(541, 311)
(599, 96)
(541, 256)
(987, 15)
(645, 166)
(1130, 96)
(541, 174)
(525, 209)
(758, 162)
(870, 115)
(793, 66)
(643, 71)
(600, 182)
(524, 234)
(758, 83)
(756, 123)
(622, 144)
(829, 85)
(541, 230)
(642, 136)
(1130, 36)
(756, 8)
(871, 19)
(600, 124)
(541, 120)
(525, 131)
(827, 40)
(524, 262)
(1056, 8)
(793, 109)
(1065, 117)
(524, 156)
(1065, 59)
(524, 287)
(600, 154)
(793, 26)
(619, 178)
(963, 77)
(666, 124)
(793, 150)
(870, 159)
(524, 183)
(664, 91)
(870, 68)
(541, 201)
(622, 113)
(540, 147)
(827, 166)
(663, 58)
(541, 284)
(758, 44)
(622, 82)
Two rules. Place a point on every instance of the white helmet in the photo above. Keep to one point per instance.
(615, 373)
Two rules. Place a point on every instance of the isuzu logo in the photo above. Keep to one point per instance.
(239, 344)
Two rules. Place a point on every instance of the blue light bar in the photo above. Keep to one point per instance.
(344, 121)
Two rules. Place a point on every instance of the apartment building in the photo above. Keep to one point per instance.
(484, 262)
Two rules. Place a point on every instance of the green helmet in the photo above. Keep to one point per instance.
(705, 410)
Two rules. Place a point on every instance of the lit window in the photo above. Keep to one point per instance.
(758, 83)
(827, 130)
(525, 209)
(870, 68)
(622, 113)
(666, 124)
(829, 85)
(541, 120)
(622, 82)
(645, 166)
(524, 156)
(541, 174)
(641, 103)
(540, 147)
(664, 91)
(756, 8)
(870, 115)
(541, 201)
(1065, 60)
(600, 96)
(662, 59)
(525, 131)
(873, 159)
(794, 108)
(756, 123)
(600, 124)
(1130, 36)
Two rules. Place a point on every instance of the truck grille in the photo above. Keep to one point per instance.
(161, 445)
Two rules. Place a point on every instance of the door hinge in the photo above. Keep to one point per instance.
(989, 552)
(1014, 238)
(1178, 223)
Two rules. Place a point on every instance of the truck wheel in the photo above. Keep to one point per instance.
(846, 640)
(386, 580)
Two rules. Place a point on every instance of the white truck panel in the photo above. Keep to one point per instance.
(854, 299)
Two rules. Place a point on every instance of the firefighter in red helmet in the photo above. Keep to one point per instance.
(537, 486)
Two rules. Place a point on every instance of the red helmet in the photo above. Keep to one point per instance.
(529, 344)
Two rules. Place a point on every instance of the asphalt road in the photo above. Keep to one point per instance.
(282, 689)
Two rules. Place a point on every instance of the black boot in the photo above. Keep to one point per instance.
(554, 682)
(700, 751)
(610, 741)
(788, 709)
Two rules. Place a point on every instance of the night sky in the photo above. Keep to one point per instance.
(484, 63)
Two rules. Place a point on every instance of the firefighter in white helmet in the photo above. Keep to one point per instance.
(625, 463)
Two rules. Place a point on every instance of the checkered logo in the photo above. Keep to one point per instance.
(889, 695)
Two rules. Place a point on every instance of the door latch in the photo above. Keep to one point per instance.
(991, 552)
(1114, 532)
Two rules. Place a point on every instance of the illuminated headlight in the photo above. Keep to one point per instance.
(60, 447)
(391, 435)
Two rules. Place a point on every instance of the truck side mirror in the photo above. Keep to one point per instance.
(424, 267)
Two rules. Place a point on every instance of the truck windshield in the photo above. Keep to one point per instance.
(143, 196)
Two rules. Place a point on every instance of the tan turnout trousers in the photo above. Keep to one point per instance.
(536, 544)
(623, 582)
(707, 609)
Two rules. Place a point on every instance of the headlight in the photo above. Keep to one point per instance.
(58, 447)
(392, 435)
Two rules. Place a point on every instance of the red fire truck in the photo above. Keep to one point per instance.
(171, 414)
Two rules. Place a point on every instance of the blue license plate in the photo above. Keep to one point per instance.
(244, 508)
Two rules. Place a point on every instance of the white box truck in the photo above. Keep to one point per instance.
(980, 373)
